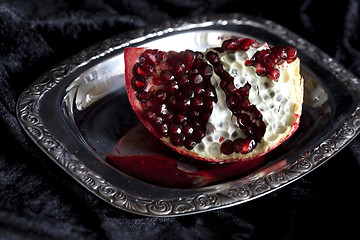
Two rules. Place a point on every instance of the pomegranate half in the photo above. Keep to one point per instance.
(236, 102)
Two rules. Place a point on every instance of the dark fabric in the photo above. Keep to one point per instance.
(39, 201)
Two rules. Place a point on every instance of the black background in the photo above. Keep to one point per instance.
(40, 201)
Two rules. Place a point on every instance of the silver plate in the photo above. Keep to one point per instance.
(51, 108)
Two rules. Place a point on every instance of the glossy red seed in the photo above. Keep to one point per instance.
(138, 84)
(196, 78)
(183, 104)
(162, 109)
(151, 56)
(291, 54)
(227, 147)
(172, 87)
(230, 44)
(245, 44)
(144, 96)
(232, 101)
(167, 76)
(248, 145)
(250, 128)
(261, 55)
(198, 134)
(206, 71)
(183, 80)
(196, 103)
(161, 95)
(259, 68)
(171, 57)
(244, 91)
(189, 144)
(243, 119)
(229, 88)
(188, 130)
(139, 72)
(180, 118)
(212, 57)
(148, 114)
(179, 69)
(238, 144)
(274, 74)
(177, 140)
(163, 129)
(245, 103)
(174, 129)
(188, 58)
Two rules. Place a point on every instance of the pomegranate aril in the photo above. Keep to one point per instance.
(199, 90)
(177, 140)
(230, 44)
(229, 88)
(212, 57)
(188, 58)
(218, 69)
(161, 95)
(196, 78)
(245, 103)
(138, 84)
(180, 118)
(144, 96)
(174, 129)
(291, 54)
(188, 130)
(148, 114)
(171, 101)
(196, 103)
(198, 134)
(152, 57)
(167, 76)
(248, 145)
(243, 119)
(163, 109)
(163, 129)
(238, 144)
(250, 128)
(183, 80)
(245, 44)
(139, 72)
(172, 87)
(206, 71)
(227, 147)
(171, 57)
(189, 144)
(179, 69)
(260, 55)
(232, 101)
(274, 74)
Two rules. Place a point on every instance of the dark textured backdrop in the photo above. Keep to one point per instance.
(40, 201)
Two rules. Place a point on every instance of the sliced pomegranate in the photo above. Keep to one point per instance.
(226, 104)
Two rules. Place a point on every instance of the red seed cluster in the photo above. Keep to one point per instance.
(181, 104)
(267, 60)
(236, 44)
(248, 116)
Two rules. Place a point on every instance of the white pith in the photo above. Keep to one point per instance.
(274, 99)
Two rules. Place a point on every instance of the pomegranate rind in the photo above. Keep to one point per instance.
(131, 56)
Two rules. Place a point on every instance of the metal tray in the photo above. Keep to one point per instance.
(58, 112)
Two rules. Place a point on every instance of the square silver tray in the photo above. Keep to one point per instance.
(51, 108)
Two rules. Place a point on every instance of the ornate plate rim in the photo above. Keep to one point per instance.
(28, 116)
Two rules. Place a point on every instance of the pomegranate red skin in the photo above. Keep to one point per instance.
(131, 56)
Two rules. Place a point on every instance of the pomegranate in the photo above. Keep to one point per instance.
(231, 103)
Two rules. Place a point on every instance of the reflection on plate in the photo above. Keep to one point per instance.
(79, 115)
